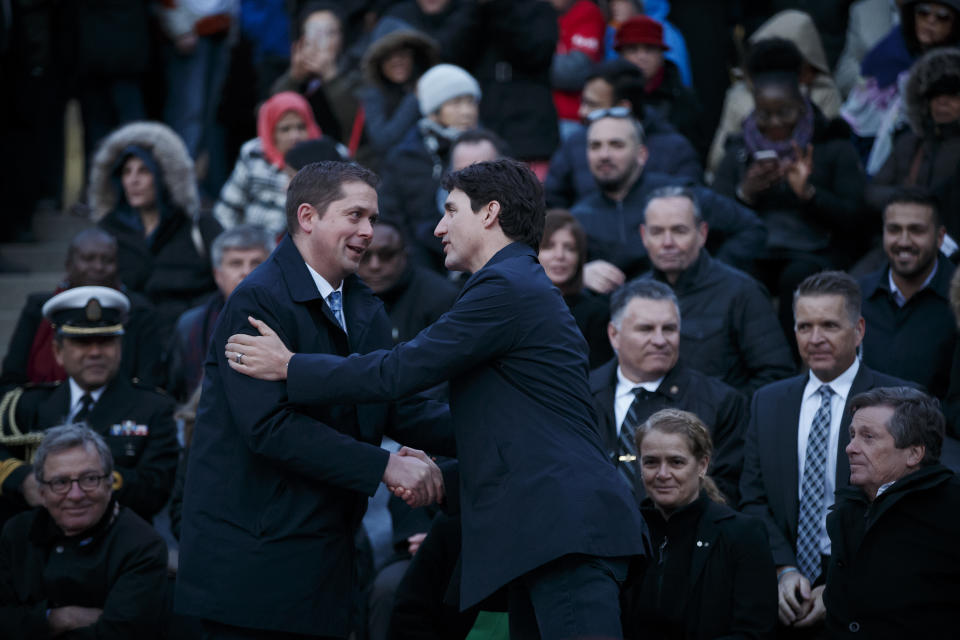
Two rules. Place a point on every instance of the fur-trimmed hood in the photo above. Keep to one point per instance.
(933, 68)
(170, 154)
(389, 35)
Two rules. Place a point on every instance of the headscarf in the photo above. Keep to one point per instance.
(270, 114)
(802, 134)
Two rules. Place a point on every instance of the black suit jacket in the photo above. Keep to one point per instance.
(770, 482)
(276, 490)
(145, 460)
(721, 407)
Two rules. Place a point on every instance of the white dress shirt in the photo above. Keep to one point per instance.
(325, 289)
(898, 296)
(624, 395)
(808, 409)
(76, 393)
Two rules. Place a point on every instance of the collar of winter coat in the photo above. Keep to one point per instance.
(45, 532)
(922, 479)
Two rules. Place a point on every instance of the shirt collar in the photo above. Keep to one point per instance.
(76, 392)
(324, 287)
(625, 385)
(898, 297)
(839, 385)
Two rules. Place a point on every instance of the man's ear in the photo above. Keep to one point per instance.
(57, 351)
(491, 213)
(307, 216)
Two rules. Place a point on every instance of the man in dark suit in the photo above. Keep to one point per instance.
(275, 491)
(136, 422)
(542, 508)
(645, 377)
(799, 427)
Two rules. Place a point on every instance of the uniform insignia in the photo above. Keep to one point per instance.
(129, 428)
(94, 311)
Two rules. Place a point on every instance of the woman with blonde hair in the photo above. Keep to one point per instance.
(711, 573)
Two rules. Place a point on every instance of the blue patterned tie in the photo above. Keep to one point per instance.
(812, 489)
(626, 447)
(335, 300)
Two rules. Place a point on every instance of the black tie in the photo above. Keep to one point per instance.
(86, 403)
(626, 450)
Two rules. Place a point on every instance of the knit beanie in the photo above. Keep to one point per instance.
(444, 82)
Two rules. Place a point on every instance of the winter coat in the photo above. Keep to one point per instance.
(925, 155)
(172, 270)
(580, 46)
(680, 106)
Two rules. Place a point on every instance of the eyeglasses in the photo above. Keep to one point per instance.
(88, 482)
(612, 112)
(941, 14)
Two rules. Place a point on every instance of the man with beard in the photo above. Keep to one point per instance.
(907, 303)
(612, 216)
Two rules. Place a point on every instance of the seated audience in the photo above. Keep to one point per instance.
(766, 46)
(82, 565)
(729, 328)
(256, 192)
(906, 303)
(927, 153)
(639, 40)
(397, 56)
(612, 216)
(712, 576)
(646, 376)
(143, 192)
(563, 252)
(414, 297)
(869, 22)
(137, 423)
(801, 174)
(91, 261)
(234, 254)
(894, 567)
(617, 83)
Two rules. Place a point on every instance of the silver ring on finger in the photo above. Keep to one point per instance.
(239, 358)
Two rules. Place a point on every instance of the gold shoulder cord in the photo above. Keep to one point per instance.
(12, 436)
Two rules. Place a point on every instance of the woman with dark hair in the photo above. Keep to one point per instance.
(711, 574)
(801, 174)
(563, 252)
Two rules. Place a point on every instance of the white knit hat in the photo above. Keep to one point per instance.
(444, 82)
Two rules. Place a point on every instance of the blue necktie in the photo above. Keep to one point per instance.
(626, 446)
(812, 489)
(335, 300)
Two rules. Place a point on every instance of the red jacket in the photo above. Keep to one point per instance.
(582, 28)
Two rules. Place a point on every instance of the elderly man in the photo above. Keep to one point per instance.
(612, 216)
(234, 254)
(730, 330)
(646, 333)
(798, 430)
(894, 567)
(82, 565)
(136, 422)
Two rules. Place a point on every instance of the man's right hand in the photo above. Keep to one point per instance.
(412, 476)
(794, 596)
(63, 619)
(31, 490)
(602, 276)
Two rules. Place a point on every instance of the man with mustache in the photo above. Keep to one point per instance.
(613, 215)
(907, 302)
(793, 457)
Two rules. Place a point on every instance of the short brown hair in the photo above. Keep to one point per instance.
(916, 419)
(320, 183)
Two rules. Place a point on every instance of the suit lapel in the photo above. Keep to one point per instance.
(708, 532)
(864, 381)
(606, 396)
(56, 409)
(111, 408)
(786, 447)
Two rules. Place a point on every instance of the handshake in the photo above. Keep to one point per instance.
(413, 477)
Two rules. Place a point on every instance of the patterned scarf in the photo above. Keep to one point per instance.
(802, 134)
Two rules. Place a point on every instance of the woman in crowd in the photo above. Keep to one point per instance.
(563, 252)
(256, 192)
(802, 175)
(711, 574)
(396, 58)
(143, 191)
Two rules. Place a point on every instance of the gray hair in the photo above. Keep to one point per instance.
(676, 192)
(242, 236)
(644, 288)
(832, 283)
(70, 436)
(916, 419)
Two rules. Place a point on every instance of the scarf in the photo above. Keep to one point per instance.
(802, 134)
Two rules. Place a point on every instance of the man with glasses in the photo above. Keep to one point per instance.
(82, 562)
(136, 422)
(612, 216)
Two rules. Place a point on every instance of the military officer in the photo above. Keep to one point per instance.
(137, 423)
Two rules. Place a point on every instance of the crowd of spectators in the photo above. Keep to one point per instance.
(754, 219)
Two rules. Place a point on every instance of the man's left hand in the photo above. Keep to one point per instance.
(817, 612)
(264, 357)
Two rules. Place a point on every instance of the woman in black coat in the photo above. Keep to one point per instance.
(711, 575)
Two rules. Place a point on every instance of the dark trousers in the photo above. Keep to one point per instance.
(218, 631)
(574, 596)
